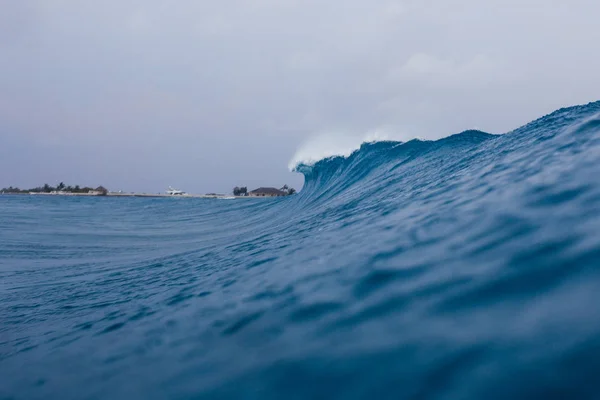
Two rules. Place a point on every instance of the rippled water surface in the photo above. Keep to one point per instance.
(463, 268)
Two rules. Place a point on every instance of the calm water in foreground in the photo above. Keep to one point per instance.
(466, 268)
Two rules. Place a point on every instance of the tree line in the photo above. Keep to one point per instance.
(61, 187)
(288, 190)
(240, 191)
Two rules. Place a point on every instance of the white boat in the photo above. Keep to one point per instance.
(175, 192)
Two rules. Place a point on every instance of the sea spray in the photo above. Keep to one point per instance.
(337, 143)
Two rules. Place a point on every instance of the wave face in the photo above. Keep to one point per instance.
(462, 268)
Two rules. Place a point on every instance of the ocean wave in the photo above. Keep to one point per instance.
(465, 267)
(329, 146)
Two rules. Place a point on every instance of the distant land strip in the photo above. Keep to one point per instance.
(64, 190)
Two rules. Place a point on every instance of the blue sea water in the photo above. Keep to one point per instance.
(464, 268)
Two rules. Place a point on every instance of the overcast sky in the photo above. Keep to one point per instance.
(205, 95)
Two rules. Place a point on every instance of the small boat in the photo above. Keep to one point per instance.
(175, 192)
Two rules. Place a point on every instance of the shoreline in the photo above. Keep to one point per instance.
(145, 195)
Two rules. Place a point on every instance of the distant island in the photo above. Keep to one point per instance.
(77, 190)
(61, 188)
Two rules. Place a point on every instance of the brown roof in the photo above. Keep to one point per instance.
(269, 191)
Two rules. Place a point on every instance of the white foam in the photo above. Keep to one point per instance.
(324, 146)
(331, 144)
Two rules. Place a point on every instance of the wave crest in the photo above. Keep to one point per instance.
(335, 144)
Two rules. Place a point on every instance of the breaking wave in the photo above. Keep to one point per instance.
(465, 267)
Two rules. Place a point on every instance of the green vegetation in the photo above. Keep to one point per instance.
(61, 187)
(288, 190)
(240, 191)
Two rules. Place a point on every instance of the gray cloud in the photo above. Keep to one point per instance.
(206, 95)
